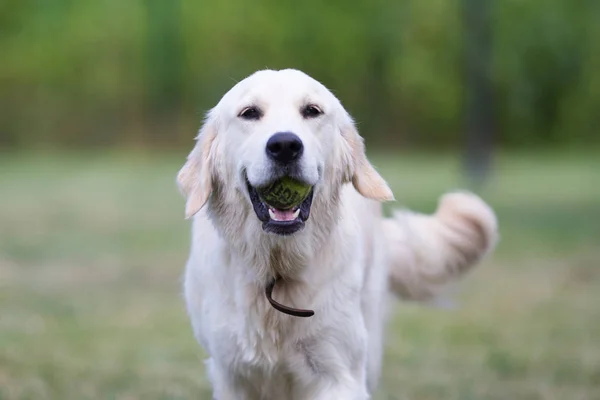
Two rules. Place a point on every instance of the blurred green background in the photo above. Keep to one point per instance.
(100, 100)
(79, 72)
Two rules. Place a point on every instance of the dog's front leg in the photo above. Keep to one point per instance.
(351, 391)
(225, 386)
(334, 372)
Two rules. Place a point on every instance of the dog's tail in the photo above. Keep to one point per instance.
(427, 252)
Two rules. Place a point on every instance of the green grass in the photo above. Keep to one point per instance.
(92, 248)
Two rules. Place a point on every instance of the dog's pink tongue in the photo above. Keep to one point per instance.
(283, 215)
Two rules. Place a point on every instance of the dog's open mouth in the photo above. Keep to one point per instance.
(278, 221)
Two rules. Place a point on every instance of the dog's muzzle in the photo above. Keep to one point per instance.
(280, 222)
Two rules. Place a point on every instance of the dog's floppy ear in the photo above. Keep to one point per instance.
(364, 177)
(195, 177)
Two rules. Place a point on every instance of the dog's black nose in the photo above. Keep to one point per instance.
(284, 147)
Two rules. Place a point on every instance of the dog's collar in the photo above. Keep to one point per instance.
(295, 312)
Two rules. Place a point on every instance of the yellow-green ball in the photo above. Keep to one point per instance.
(285, 193)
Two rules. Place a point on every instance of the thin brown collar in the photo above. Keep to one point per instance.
(295, 312)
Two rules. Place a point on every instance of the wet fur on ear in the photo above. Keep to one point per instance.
(195, 177)
(364, 177)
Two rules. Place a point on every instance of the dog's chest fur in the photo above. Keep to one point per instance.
(269, 336)
(262, 336)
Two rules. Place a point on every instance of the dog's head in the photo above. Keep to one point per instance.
(271, 125)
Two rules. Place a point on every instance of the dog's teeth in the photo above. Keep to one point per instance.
(296, 213)
(271, 214)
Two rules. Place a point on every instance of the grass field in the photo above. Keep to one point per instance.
(92, 248)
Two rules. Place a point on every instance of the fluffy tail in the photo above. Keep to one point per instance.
(427, 252)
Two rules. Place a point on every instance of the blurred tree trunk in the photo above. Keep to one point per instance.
(378, 105)
(164, 68)
(478, 89)
(377, 89)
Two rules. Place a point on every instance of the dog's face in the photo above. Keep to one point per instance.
(271, 125)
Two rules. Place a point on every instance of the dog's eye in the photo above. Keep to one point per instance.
(311, 111)
(250, 113)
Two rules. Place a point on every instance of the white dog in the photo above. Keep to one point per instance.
(334, 256)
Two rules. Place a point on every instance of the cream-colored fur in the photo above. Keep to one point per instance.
(340, 265)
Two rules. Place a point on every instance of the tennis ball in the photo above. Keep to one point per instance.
(285, 193)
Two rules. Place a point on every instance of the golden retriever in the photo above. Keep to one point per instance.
(334, 257)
